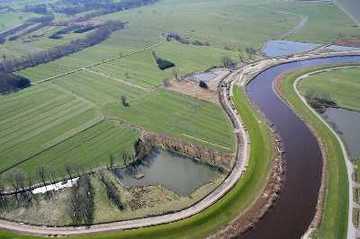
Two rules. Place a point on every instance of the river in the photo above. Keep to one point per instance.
(295, 209)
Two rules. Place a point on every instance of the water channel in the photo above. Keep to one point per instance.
(347, 125)
(294, 211)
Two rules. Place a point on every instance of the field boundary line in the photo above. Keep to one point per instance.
(117, 79)
(204, 141)
(130, 53)
(2, 171)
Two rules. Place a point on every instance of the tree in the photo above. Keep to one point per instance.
(176, 75)
(203, 85)
(41, 172)
(251, 52)
(112, 192)
(228, 62)
(82, 202)
(124, 101)
(112, 161)
(69, 171)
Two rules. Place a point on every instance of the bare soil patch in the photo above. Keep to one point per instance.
(193, 89)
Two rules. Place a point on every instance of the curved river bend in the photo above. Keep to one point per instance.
(295, 209)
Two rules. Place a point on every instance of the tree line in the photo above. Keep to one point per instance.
(82, 202)
(91, 39)
(12, 83)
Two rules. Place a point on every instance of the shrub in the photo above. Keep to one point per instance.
(203, 85)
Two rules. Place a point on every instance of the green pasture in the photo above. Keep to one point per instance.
(230, 206)
(343, 86)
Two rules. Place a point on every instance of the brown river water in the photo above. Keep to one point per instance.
(295, 209)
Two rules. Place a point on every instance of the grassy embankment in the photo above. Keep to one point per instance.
(335, 209)
(234, 203)
(343, 85)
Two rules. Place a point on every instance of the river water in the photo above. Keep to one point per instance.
(295, 209)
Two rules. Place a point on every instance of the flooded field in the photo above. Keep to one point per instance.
(179, 174)
(286, 48)
(347, 124)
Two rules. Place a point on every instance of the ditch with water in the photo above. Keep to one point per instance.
(347, 124)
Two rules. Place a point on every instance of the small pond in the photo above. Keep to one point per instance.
(278, 48)
(177, 173)
(347, 124)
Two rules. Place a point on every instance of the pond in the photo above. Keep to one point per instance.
(347, 124)
(177, 173)
(285, 48)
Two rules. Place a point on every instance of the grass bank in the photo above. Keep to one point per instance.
(343, 85)
(335, 207)
(230, 206)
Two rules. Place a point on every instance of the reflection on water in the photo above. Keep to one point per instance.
(179, 174)
(347, 123)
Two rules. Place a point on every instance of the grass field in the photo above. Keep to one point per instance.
(224, 24)
(335, 208)
(343, 85)
(65, 120)
(174, 116)
(78, 118)
(230, 206)
(8, 20)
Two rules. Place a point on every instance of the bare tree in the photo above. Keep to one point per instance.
(82, 202)
(69, 171)
(41, 173)
(228, 62)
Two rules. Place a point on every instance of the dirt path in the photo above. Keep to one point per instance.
(297, 28)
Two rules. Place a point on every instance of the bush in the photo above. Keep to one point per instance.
(124, 101)
(203, 85)
(162, 63)
(12, 83)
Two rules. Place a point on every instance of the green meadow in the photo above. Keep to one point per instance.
(343, 85)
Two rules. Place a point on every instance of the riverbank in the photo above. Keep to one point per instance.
(333, 221)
